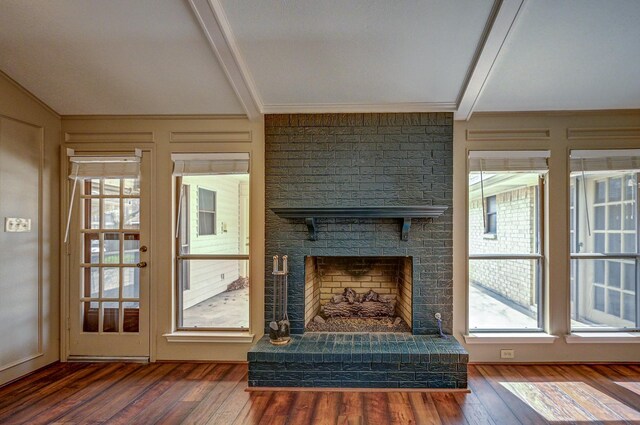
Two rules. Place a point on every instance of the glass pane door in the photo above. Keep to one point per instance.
(110, 276)
(108, 251)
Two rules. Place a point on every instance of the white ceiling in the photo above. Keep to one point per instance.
(113, 57)
(308, 52)
(568, 55)
(264, 56)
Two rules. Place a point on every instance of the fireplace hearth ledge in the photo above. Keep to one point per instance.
(359, 360)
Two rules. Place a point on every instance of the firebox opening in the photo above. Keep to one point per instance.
(358, 294)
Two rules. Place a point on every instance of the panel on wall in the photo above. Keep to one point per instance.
(20, 159)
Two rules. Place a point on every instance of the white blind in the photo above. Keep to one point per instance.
(605, 160)
(508, 161)
(210, 163)
(104, 167)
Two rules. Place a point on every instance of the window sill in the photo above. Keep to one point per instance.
(600, 337)
(510, 338)
(225, 337)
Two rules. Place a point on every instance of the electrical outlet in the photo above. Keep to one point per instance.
(507, 354)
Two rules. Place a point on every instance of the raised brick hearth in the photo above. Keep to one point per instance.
(377, 360)
(362, 160)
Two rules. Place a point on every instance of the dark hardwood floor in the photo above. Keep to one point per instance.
(201, 393)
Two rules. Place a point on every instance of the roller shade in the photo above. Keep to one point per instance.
(95, 167)
(605, 160)
(210, 163)
(508, 161)
(104, 167)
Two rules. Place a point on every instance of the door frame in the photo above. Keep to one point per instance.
(102, 148)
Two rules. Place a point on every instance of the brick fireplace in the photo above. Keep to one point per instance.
(351, 161)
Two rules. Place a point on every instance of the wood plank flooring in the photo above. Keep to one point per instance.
(208, 393)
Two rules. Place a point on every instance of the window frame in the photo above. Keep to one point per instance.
(491, 213)
(180, 258)
(213, 212)
(574, 235)
(539, 257)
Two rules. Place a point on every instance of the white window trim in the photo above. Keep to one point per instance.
(599, 337)
(210, 336)
(510, 338)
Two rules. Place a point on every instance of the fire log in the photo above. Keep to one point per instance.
(365, 309)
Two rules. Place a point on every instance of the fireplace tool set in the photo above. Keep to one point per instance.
(280, 327)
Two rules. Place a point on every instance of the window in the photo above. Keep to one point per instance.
(604, 239)
(506, 275)
(212, 278)
(206, 212)
(491, 208)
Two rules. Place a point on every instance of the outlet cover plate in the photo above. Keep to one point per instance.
(507, 354)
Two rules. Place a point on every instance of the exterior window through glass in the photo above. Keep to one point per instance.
(212, 241)
(505, 258)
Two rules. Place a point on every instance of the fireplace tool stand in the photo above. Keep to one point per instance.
(280, 327)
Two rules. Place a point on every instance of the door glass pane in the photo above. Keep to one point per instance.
(91, 248)
(629, 276)
(91, 282)
(218, 294)
(600, 192)
(111, 317)
(614, 217)
(600, 293)
(131, 321)
(111, 248)
(614, 242)
(131, 213)
(110, 213)
(629, 217)
(89, 316)
(92, 187)
(131, 187)
(130, 282)
(615, 189)
(131, 248)
(629, 307)
(110, 282)
(111, 187)
(92, 213)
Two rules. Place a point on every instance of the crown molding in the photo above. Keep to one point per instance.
(29, 94)
(501, 19)
(312, 108)
(216, 28)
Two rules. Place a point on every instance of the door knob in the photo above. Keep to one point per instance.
(141, 264)
(143, 248)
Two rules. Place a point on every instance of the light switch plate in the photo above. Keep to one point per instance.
(14, 225)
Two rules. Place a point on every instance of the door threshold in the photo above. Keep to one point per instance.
(107, 359)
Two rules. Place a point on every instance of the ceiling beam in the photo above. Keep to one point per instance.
(216, 28)
(501, 20)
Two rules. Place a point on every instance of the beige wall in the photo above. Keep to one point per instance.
(29, 283)
(161, 136)
(558, 132)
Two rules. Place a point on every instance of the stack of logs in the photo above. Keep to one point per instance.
(350, 304)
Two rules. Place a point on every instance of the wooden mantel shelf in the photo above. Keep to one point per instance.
(406, 213)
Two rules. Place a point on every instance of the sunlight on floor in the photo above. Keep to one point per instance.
(631, 386)
(571, 401)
